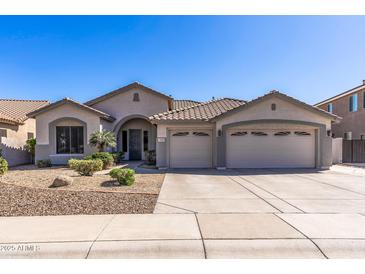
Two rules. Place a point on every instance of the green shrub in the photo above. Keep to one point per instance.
(86, 167)
(105, 157)
(44, 163)
(30, 147)
(3, 166)
(118, 156)
(124, 176)
(72, 163)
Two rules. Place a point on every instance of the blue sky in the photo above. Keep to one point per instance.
(51, 57)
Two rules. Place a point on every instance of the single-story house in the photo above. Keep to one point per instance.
(272, 131)
(16, 128)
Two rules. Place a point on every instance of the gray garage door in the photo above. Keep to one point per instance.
(191, 148)
(270, 148)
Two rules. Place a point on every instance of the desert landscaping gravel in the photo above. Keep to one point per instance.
(30, 176)
(25, 191)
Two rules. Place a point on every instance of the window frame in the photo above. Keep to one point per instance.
(353, 103)
(3, 133)
(330, 107)
(30, 135)
(73, 134)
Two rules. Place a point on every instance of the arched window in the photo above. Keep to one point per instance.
(258, 133)
(302, 133)
(239, 133)
(200, 134)
(179, 134)
(282, 133)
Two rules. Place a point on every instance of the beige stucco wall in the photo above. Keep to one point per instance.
(13, 144)
(68, 110)
(284, 110)
(122, 105)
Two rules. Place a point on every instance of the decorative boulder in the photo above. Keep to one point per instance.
(61, 180)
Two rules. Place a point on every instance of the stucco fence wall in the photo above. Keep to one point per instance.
(337, 150)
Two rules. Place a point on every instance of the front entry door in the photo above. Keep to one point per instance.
(135, 144)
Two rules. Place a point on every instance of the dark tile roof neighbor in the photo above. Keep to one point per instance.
(177, 104)
(15, 111)
(201, 112)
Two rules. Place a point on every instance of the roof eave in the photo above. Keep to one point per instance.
(65, 101)
(342, 94)
(123, 89)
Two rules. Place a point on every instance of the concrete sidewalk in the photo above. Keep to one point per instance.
(250, 235)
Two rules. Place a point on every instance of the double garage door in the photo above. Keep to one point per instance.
(269, 148)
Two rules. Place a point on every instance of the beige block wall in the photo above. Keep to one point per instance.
(13, 144)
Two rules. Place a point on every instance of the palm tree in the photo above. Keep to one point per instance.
(103, 139)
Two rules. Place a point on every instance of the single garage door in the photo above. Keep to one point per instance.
(270, 148)
(191, 149)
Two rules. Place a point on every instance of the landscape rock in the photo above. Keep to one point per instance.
(62, 180)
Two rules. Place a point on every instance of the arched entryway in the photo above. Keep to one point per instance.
(135, 136)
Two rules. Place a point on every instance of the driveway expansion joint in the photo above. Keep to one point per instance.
(255, 193)
(281, 199)
(315, 244)
(201, 235)
(97, 237)
(188, 210)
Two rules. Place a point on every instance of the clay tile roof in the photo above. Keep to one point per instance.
(15, 111)
(201, 112)
(177, 104)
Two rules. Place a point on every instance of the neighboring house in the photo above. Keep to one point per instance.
(16, 128)
(272, 131)
(350, 105)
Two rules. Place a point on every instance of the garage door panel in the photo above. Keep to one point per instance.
(192, 150)
(285, 151)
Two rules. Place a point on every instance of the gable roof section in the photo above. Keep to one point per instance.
(125, 89)
(343, 94)
(15, 112)
(177, 104)
(199, 112)
(101, 114)
(287, 98)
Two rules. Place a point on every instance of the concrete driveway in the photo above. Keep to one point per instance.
(261, 191)
(271, 213)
